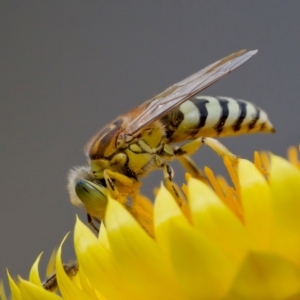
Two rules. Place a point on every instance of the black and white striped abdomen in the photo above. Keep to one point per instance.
(214, 116)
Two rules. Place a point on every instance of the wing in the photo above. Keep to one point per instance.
(176, 94)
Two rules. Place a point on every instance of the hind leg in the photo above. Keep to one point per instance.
(191, 147)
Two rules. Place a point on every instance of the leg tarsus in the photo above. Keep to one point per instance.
(167, 169)
(50, 284)
(179, 198)
(91, 223)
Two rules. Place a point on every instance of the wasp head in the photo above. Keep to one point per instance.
(85, 193)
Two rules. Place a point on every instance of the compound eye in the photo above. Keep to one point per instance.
(93, 196)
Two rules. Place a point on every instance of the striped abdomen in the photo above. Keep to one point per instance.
(214, 116)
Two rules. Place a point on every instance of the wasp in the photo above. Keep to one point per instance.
(146, 138)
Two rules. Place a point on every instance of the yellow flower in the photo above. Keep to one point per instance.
(240, 242)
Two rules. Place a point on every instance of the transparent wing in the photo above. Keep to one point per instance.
(176, 94)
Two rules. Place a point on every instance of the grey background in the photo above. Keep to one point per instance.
(69, 67)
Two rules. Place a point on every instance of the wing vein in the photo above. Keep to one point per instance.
(178, 93)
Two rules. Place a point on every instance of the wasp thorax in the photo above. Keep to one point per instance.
(123, 140)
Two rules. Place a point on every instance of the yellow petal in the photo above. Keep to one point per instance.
(14, 289)
(34, 292)
(285, 188)
(2, 292)
(51, 264)
(213, 219)
(99, 265)
(136, 251)
(87, 287)
(266, 276)
(165, 208)
(199, 265)
(34, 276)
(67, 288)
(103, 237)
(257, 205)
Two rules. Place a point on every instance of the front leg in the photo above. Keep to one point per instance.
(171, 187)
(114, 179)
(121, 186)
(91, 222)
(178, 197)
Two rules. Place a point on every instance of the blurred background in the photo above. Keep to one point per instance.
(70, 67)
